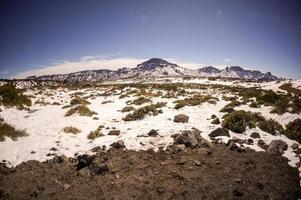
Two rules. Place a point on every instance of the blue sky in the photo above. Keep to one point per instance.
(58, 36)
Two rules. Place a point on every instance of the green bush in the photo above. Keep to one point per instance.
(141, 100)
(141, 112)
(237, 121)
(293, 130)
(254, 105)
(79, 101)
(7, 130)
(127, 109)
(10, 96)
(71, 129)
(95, 134)
(194, 101)
(82, 110)
(271, 126)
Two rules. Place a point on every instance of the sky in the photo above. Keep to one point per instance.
(39, 37)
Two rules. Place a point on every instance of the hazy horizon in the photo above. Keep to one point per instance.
(51, 37)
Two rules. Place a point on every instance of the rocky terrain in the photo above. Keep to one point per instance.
(192, 168)
(150, 138)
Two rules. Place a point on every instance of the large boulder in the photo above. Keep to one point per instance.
(220, 132)
(187, 138)
(255, 135)
(118, 145)
(181, 118)
(277, 147)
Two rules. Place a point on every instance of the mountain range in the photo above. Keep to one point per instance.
(157, 67)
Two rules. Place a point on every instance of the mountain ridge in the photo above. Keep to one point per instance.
(158, 67)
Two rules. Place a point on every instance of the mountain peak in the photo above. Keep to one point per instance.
(158, 67)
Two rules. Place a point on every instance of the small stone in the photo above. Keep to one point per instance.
(114, 132)
(181, 162)
(215, 121)
(204, 151)
(213, 116)
(249, 141)
(118, 145)
(180, 147)
(53, 149)
(181, 118)
(197, 163)
(295, 146)
(153, 133)
(262, 144)
(255, 135)
(237, 192)
(100, 169)
(187, 138)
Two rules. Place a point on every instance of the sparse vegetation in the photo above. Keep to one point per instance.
(82, 110)
(141, 100)
(293, 130)
(79, 101)
(71, 129)
(237, 121)
(141, 112)
(7, 130)
(10, 96)
(127, 109)
(193, 101)
(289, 88)
(95, 134)
(271, 126)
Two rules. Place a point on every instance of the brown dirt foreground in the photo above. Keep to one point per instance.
(224, 174)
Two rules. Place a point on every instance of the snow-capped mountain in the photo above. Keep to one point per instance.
(157, 67)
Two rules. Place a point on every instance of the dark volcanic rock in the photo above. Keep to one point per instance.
(114, 132)
(181, 118)
(277, 147)
(153, 133)
(255, 135)
(220, 132)
(187, 138)
(118, 145)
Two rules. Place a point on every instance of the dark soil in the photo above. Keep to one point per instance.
(189, 174)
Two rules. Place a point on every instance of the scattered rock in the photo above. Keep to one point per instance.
(249, 141)
(187, 138)
(118, 145)
(220, 132)
(153, 133)
(53, 149)
(238, 140)
(197, 163)
(32, 152)
(181, 118)
(114, 132)
(255, 135)
(180, 147)
(181, 162)
(213, 116)
(205, 151)
(277, 147)
(295, 146)
(100, 169)
(262, 144)
(237, 192)
(215, 121)
(60, 159)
